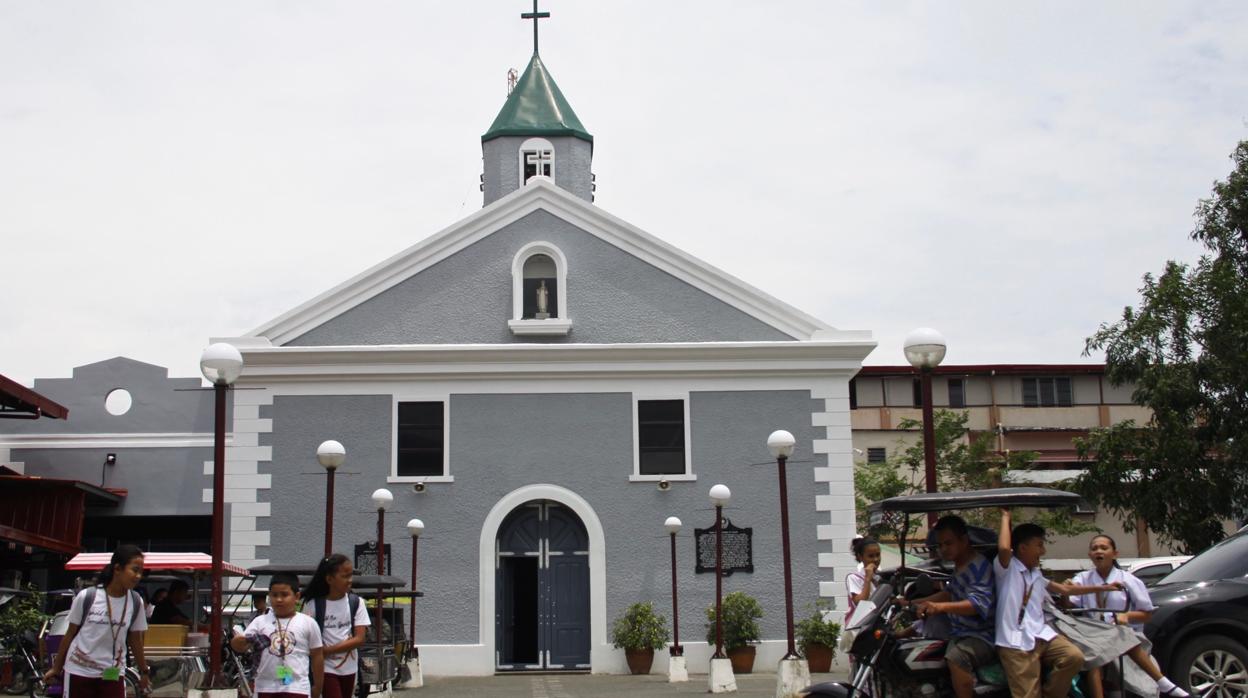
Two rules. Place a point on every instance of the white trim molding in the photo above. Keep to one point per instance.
(600, 651)
(542, 194)
(445, 399)
(101, 440)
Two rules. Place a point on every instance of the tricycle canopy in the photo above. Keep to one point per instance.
(359, 581)
(189, 563)
(977, 499)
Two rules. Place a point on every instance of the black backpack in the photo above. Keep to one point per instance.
(318, 610)
(89, 600)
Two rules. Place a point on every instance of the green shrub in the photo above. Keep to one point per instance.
(741, 614)
(22, 613)
(640, 627)
(814, 629)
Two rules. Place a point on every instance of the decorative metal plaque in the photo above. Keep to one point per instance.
(738, 549)
(366, 558)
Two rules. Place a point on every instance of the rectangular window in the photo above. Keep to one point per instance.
(661, 437)
(877, 455)
(1047, 392)
(853, 393)
(420, 439)
(918, 392)
(957, 394)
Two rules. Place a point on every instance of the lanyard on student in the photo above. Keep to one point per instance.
(114, 672)
(284, 674)
(1102, 597)
(1027, 588)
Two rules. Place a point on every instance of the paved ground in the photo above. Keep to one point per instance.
(585, 686)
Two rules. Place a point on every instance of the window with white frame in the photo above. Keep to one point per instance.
(537, 159)
(420, 439)
(662, 437)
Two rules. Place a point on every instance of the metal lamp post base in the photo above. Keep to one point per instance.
(721, 678)
(792, 675)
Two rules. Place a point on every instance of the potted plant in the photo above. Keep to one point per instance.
(639, 631)
(20, 614)
(741, 614)
(817, 636)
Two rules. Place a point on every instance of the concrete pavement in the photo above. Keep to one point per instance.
(587, 686)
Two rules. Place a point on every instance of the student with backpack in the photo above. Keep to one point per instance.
(343, 620)
(103, 620)
(288, 643)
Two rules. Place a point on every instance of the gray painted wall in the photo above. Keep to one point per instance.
(160, 481)
(612, 297)
(580, 441)
(501, 158)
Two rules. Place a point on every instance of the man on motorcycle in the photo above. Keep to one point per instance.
(968, 600)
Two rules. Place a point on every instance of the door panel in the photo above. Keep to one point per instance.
(542, 599)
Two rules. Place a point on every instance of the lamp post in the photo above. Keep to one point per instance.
(221, 364)
(330, 454)
(780, 443)
(382, 499)
(925, 349)
(672, 524)
(720, 496)
(415, 527)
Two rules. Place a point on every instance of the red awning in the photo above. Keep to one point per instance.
(19, 402)
(159, 562)
(48, 512)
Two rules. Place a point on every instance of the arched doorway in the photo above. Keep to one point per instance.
(542, 619)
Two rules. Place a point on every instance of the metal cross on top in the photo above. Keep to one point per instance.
(534, 15)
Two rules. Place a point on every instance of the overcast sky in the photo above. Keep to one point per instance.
(1004, 172)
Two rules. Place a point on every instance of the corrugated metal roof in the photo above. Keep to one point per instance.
(536, 107)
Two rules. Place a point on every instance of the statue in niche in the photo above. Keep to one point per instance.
(543, 301)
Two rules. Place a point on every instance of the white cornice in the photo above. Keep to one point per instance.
(556, 361)
(541, 195)
(103, 440)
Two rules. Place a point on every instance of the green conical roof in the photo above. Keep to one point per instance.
(536, 107)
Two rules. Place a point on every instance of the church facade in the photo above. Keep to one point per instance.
(543, 384)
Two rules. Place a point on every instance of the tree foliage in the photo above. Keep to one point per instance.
(1185, 348)
(964, 461)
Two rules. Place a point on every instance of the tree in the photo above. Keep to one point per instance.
(1185, 349)
(964, 461)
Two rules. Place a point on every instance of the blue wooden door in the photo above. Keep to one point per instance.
(542, 590)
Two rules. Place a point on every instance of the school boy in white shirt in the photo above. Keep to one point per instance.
(1025, 641)
(289, 644)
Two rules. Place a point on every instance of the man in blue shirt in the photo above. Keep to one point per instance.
(969, 601)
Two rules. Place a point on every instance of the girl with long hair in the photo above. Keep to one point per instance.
(103, 620)
(343, 619)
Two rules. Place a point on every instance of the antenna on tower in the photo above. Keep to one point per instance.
(512, 76)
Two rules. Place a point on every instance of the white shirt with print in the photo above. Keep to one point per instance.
(1116, 600)
(338, 628)
(98, 644)
(1013, 583)
(288, 642)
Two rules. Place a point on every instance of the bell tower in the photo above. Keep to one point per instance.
(536, 134)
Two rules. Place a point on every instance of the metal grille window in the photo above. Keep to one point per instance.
(420, 438)
(877, 455)
(957, 393)
(661, 437)
(1047, 392)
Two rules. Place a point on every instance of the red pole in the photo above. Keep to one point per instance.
(329, 511)
(677, 650)
(215, 678)
(412, 634)
(381, 570)
(929, 437)
(719, 583)
(788, 571)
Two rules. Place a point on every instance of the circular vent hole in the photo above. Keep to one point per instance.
(118, 402)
